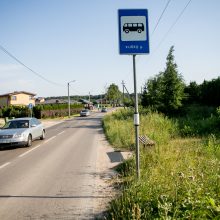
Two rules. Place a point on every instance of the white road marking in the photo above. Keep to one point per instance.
(61, 133)
(4, 165)
(49, 139)
(35, 147)
(29, 151)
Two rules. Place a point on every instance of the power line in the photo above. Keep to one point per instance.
(34, 72)
(160, 17)
(166, 6)
(172, 26)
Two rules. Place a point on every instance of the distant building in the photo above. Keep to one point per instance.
(51, 101)
(54, 101)
(39, 100)
(18, 98)
(87, 104)
(102, 101)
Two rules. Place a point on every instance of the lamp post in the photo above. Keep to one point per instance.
(68, 87)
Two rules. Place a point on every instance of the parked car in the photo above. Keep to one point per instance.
(21, 132)
(104, 109)
(85, 112)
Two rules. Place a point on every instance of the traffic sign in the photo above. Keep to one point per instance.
(30, 105)
(133, 31)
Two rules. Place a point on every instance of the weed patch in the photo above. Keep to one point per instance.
(180, 177)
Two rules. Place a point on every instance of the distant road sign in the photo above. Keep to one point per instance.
(133, 31)
(30, 105)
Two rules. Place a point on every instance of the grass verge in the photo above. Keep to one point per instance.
(180, 177)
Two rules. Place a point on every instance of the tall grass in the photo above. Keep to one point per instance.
(118, 135)
(199, 121)
(180, 177)
(119, 128)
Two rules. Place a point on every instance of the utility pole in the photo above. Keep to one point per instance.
(123, 84)
(68, 88)
(101, 101)
(128, 94)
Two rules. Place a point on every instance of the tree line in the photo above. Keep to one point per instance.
(168, 93)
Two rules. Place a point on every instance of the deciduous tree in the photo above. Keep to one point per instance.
(113, 94)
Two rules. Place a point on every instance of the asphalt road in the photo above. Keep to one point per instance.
(56, 177)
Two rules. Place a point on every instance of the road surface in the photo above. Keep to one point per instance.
(56, 177)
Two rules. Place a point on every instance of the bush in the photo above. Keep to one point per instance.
(199, 121)
(56, 110)
(15, 111)
(40, 111)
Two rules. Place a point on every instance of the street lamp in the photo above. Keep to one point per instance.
(68, 87)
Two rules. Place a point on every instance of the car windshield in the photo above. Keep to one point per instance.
(16, 124)
(86, 110)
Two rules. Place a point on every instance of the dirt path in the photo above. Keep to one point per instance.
(107, 159)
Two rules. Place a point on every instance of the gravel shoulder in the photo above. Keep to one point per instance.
(107, 159)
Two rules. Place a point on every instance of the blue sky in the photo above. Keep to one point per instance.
(66, 40)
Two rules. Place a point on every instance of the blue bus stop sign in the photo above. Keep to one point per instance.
(30, 105)
(133, 31)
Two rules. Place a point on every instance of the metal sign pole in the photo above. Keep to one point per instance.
(134, 40)
(136, 122)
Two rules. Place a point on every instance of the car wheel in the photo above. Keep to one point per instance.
(43, 135)
(29, 141)
(139, 31)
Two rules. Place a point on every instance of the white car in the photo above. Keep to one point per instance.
(85, 112)
(21, 131)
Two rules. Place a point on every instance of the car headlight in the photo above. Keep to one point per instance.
(17, 135)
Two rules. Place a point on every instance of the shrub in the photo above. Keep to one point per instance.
(56, 110)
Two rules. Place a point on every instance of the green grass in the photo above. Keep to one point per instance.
(180, 177)
(119, 128)
(199, 121)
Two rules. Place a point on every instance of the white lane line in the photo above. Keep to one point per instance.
(60, 133)
(4, 165)
(35, 147)
(29, 151)
(49, 139)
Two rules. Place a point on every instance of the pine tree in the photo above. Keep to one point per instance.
(165, 92)
(172, 86)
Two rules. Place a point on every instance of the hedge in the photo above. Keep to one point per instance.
(40, 111)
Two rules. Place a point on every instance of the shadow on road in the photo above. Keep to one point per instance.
(115, 157)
